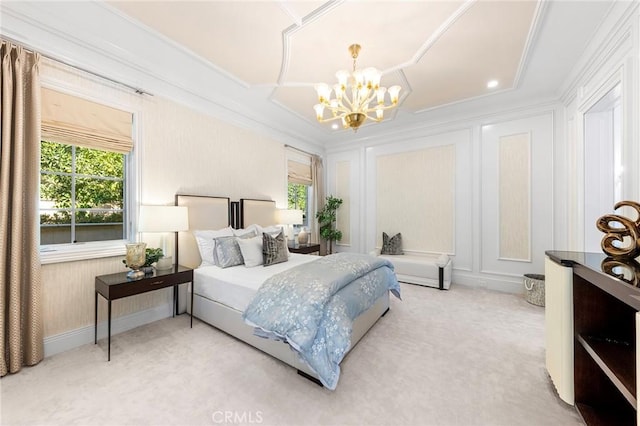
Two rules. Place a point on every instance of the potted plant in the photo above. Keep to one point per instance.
(326, 221)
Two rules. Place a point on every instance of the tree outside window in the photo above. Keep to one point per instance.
(298, 197)
(81, 194)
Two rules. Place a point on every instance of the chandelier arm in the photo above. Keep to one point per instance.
(376, 119)
(386, 107)
(349, 104)
(325, 120)
(370, 98)
(340, 108)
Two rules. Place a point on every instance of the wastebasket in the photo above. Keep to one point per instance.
(534, 289)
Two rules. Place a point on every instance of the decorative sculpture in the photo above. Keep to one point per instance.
(625, 270)
(620, 242)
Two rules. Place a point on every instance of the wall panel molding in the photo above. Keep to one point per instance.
(517, 220)
(514, 197)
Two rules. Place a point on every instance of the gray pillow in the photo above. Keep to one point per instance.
(391, 245)
(274, 249)
(227, 251)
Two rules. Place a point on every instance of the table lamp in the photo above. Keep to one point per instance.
(164, 219)
(289, 217)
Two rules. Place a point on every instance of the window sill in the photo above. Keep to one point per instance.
(81, 251)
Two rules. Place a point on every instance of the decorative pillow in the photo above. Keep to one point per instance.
(274, 230)
(391, 245)
(274, 249)
(227, 251)
(206, 243)
(251, 249)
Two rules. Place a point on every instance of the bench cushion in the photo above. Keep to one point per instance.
(421, 269)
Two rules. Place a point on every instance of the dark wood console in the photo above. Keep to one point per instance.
(606, 301)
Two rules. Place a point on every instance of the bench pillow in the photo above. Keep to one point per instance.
(391, 245)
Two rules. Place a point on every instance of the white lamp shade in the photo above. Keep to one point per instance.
(163, 219)
(289, 217)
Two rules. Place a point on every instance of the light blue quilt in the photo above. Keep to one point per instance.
(312, 306)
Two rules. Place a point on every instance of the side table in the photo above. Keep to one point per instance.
(306, 249)
(117, 286)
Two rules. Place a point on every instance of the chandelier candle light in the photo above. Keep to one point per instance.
(354, 106)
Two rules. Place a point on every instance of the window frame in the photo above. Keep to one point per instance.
(56, 253)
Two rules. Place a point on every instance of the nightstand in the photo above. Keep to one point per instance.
(306, 249)
(117, 286)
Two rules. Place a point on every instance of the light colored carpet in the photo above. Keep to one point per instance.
(458, 357)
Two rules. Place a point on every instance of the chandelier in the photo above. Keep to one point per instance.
(354, 96)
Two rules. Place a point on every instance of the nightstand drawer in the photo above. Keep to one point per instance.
(137, 286)
(141, 286)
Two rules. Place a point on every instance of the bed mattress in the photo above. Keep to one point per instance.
(236, 286)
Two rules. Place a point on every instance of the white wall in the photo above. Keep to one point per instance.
(553, 207)
(610, 60)
(473, 228)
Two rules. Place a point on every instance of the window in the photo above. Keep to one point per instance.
(81, 194)
(298, 197)
(299, 184)
(85, 170)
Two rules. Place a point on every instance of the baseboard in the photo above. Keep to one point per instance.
(81, 336)
(496, 283)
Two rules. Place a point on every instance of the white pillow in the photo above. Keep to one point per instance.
(251, 249)
(271, 230)
(206, 243)
(248, 229)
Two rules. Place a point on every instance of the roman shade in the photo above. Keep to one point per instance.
(299, 172)
(75, 121)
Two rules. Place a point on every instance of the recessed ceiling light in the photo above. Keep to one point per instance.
(334, 126)
(492, 83)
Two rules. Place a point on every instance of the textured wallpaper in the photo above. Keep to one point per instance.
(514, 173)
(415, 193)
(179, 150)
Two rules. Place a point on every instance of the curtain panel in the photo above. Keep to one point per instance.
(21, 328)
(317, 176)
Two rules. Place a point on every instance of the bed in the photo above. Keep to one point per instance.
(223, 308)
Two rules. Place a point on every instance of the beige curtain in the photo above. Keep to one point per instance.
(21, 331)
(317, 176)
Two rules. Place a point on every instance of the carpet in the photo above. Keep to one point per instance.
(465, 356)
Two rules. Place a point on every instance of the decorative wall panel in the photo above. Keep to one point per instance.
(516, 195)
(514, 198)
(415, 193)
(343, 190)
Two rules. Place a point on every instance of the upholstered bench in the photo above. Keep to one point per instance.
(427, 270)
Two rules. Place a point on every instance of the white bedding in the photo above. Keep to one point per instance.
(236, 286)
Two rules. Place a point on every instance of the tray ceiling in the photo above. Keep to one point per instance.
(439, 52)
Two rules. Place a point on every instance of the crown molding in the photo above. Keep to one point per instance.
(166, 69)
